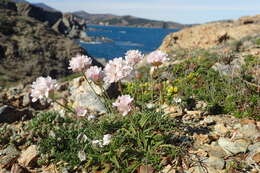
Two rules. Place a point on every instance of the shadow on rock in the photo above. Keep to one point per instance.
(9, 114)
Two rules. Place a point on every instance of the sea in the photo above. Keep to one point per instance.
(124, 38)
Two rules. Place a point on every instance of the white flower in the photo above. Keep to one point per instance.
(133, 57)
(95, 74)
(80, 63)
(177, 100)
(123, 104)
(91, 117)
(107, 139)
(97, 143)
(43, 87)
(82, 156)
(157, 58)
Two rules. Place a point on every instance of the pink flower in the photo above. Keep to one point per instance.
(116, 70)
(80, 63)
(95, 74)
(123, 104)
(42, 87)
(157, 58)
(133, 57)
(81, 112)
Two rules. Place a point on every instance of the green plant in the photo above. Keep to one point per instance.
(141, 138)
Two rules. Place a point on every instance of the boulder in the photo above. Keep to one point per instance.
(9, 114)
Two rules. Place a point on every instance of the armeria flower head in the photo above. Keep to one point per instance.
(157, 58)
(95, 74)
(42, 88)
(133, 57)
(116, 70)
(81, 112)
(80, 63)
(107, 139)
(124, 104)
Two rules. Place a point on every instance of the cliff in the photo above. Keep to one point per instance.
(66, 24)
(212, 34)
(30, 48)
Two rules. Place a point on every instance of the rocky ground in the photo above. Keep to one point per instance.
(217, 143)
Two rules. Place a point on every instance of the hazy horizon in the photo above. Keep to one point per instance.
(185, 11)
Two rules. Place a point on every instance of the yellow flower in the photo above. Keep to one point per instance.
(171, 90)
(175, 89)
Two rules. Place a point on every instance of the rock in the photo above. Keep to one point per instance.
(28, 156)
(249, 130)
(201, 138)
(253, 157)
(145, 169)
(221, 129)
(233, 69)
(254, 146)
(216, 151)
(27, 9)
(60, 27)
(201, 105)
(232, 148)
(8, 156)
(215, 162)
(247, 121)
(194, 112)
(18, 169)
(197, 169)
(9, 114)
(208, 121)
(83, 96)
(26, 100)
(256, 158)
(168, 169)
(173, 111)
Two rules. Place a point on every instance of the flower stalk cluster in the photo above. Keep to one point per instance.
(116, 71)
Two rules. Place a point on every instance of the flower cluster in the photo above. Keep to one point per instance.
(80, 63)
(42, 88)
(95, 74)
(157, 58)
(116, 70)
(123, 104)
(133, 57)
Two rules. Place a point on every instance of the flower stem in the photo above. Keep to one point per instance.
(66, 107)
(107, 99)
(93, 89)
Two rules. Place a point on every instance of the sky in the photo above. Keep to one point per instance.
(182, 11)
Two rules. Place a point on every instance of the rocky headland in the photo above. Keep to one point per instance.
(129, 21)
(35, 42)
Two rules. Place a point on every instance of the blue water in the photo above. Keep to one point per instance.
(124, 38)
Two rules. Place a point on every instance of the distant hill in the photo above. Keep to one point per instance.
(19, 1)
(45, 7)
(110, 19)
